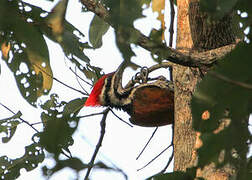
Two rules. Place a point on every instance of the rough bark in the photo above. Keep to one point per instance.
(194, 35)
(185, 80)
(207, 33)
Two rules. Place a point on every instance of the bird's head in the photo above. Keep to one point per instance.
(97, 95)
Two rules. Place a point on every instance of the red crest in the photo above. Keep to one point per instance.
(93, 99)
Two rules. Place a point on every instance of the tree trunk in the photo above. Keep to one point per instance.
(194, 33)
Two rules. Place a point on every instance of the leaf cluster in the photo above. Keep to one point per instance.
(228, 103)
(10, 168)
(22, 30)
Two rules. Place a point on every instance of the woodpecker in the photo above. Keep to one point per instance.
(148, 104)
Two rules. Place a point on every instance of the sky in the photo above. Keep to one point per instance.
(121, 143)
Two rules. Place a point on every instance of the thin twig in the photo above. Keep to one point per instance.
(88, 115)
(120, 118)
(168, 163)
(227, 79)
(61, 81)
(171, 157)
(155, 158)
(77, 79)
(171, 30)
(147, 143)
(99, 144)
(24, 121)
(36, 123)
(115, 167)
(104, 157)
(80, 77)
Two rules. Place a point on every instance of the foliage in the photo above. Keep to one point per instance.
(9, 126)
(97, 29)
(123, 15)
(188, 175)
(228, 115)
(23, 31)
(59, 125)
(10, 168)
(221, 105)
(158, 6)
(224, 93)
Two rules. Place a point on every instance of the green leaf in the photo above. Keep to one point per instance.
(10, 168)
(124, 37)
(123, 13)
(70, 39)
(63, 32)
(59, 125)
(55, 20)
(225, 92)
(177, 175)
(212, 91)
(73, 163)
(92, 72)
(156, 36)
(218, 9)
(72, 45)
(9, 126)
(74, 106)
(37, 80)
(97, 29)
(57, 134)
(30, 63)
(245, 6)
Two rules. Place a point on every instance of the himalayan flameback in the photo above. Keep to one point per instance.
(148, 104)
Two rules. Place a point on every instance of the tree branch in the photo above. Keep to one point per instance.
(99, 144)
(192, 59)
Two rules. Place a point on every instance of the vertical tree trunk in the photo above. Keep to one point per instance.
(193, 34)
(185, 80)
